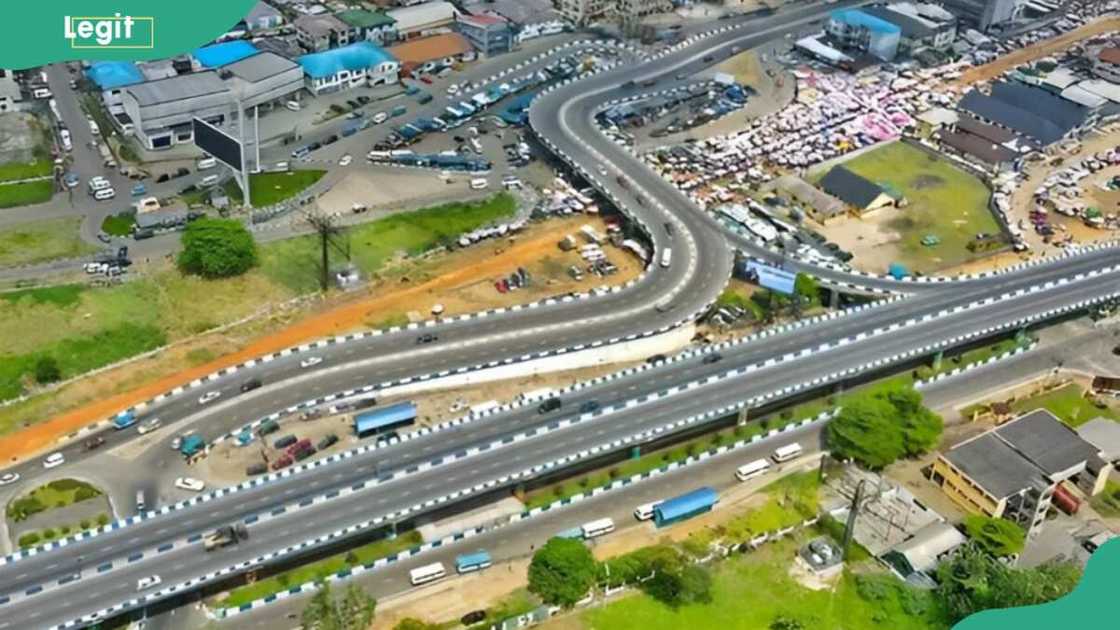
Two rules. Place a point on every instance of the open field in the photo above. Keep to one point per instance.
(26, 193)
(943, 201)
(13, 171)
(1069, 404)
(293, 262)
(270, 188)
(38, 241)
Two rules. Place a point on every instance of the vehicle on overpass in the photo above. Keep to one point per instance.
(225, 536)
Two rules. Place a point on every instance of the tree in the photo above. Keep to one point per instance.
(683, 583)
(562, 571)
(782, 622)
(997, 536)
(865, 430)
(217, 248)
(353, 611)
(46, 370)
(806, 286)
(972, 581)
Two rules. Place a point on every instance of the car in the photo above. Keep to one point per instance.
(190, 483)
(8, 478)
(426, 79)
(590, 406)
(452, 89)
(72, 180)
(54, 459)
(708, 58)
(148, 582)
(1116, 351)
(426, 338)
(148, 425)
(176, 442)
(209, 397)
(552, 404)
(501, 285)
(293, 106)
(139, 190)
(473, 617)
(94, 442)
(657, 358)
(310, 362)
(345, 160)
(250, 385)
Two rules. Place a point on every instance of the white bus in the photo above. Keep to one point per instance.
(597, 528)
(666, 257)
(644, 512)
(426, 573)
(752, 470)
(787, 452)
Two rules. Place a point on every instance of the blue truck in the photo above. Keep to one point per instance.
(123, 420)
(191, 445)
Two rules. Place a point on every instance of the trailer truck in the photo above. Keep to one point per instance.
(225, 536)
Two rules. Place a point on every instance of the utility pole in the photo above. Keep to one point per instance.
(331, 236)
(853, 511)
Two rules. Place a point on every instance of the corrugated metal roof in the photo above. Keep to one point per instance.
(928, 543)
(1012, 117)
(850, 187)
(219, 55)
(359, 56)
(360, 18)
(110, 75)
(261, 66)
(1046, 441)
(686, 503)
(857, 17)
(177, 88)
(430, 48)
(911, 26)
(414, 17)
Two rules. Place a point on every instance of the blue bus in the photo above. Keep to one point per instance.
(472, 561)
(384, 419)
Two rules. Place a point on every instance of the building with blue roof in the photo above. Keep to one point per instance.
(859, 30)
(223, 54)
(685, 506)
(349, 67)
(110, 75)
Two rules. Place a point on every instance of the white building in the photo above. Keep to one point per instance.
(349, 67)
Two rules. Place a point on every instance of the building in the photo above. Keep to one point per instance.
(1104, 435)
(917, 31)
(10, 95)
(1013, 470)
(349, 67)
(223, 54)
(1106, 64)
(426, 54)
(984, 14)
(316, 33)
(263, 16)
(489, 34)
(369, 26)
(861, 194)
(1032, 112)
(823, 207)
(858, 30)
(429, 18)
(159, 112)
(923, 551)
(583, 12)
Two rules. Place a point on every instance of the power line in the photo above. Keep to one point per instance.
(331, 236)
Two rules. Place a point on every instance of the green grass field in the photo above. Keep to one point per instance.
(750, 591)
(321, 569)
(40, 241)
(944, 201)
(269, 188)
(292, 262)
(26, 194)
(1067, 403)
(12, 171)
(118, 224)
(56, 494)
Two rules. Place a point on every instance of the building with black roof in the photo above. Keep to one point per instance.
(1029, 111)
(1013, 470)
(858, 192)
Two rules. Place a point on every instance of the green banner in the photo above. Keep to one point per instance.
(131, 30)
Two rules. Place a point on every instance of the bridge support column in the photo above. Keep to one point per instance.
(833, 298)
(937, 359)
(636, 452)
(1021, 336)
(743, 416)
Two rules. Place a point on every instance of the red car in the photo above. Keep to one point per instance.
(299, 446)
(501, 286)
(283, 462)
(426, 79)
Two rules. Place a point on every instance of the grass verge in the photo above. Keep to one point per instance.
(56, 494)
(13, 171)
(118, 224)
(270, 188)
(40, 241)
(30, 539)
(26, 193)
(321, 569)
(1069, 404)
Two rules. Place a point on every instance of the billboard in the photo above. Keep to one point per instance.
(217, 143)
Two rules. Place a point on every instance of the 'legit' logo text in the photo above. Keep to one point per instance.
(110, 32)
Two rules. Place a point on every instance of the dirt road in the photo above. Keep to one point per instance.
(1037, 50)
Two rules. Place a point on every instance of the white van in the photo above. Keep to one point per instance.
(206, 163)
(147, 204)
(479, 183)
(380, 117)
(66, 143)
(787, 452)
(644, 512)
(97, 183)
(666, 257)
(41, 93)
(209, 180)
(752, 470)
(105, 194)
(293, 106)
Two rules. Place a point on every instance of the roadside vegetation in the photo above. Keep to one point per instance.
(56, 494)
(120, 224)
(266, 189)
(38, 537)
(15, 171)
(40, 241)
(84, 328)
(26, 193)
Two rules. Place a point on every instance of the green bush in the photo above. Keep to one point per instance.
(64, 530)
(66, 485)
(48, 533)
(217, 248)
(84, 524)
(85, 493)
(102, 519)
(21, 509)
(29, 539)
(47, 370)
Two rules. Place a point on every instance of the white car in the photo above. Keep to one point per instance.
(9, 478)
(345, 160)
(190, 483)
(148, 425)
(148, 582)
(453, 89)
(310, 362)
(208, 397)
(54, 459)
